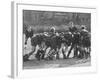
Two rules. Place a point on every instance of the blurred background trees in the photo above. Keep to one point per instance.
(43, 19)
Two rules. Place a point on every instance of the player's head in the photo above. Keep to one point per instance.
(52, 29)
(83, 27)
(71, 24)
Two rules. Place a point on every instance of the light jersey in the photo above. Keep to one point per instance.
(33, 55)
(84, 30)
(47, 52)
(28, 47)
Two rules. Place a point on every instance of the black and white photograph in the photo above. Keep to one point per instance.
(56, 39)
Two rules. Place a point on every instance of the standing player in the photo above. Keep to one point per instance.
(75, 39)
(28, 33)
(85, 42)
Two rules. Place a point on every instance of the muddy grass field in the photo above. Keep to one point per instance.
(72, 62)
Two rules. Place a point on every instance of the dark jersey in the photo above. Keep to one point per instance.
(76, 38)
(84, 33)
(29, 33)
(85, 38)
(73, 29)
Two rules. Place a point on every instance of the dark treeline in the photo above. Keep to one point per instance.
(42, 20)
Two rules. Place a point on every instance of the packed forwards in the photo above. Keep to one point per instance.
(78, 40)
